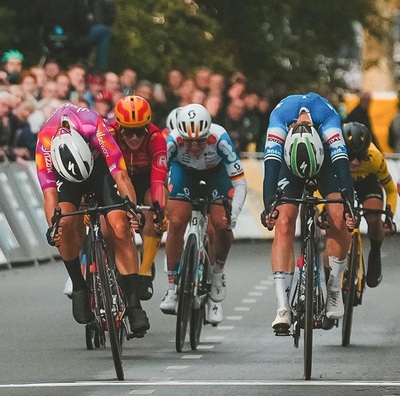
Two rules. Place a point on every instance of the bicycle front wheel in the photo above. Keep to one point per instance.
(185, 291)
(349, 288)
(309, 262)
(103, 264)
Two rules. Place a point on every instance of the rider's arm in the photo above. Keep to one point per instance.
(333, 137)
(158, 153)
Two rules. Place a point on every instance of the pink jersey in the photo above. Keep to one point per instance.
(93, 130)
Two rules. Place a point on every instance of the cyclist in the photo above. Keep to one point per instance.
(145, 153)
(77, 154)
(199, 150)
(371, 176)
(312, 115)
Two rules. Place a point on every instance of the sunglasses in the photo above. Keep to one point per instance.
(129, 132)
(199, 142)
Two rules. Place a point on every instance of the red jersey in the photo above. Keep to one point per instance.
(151, 155)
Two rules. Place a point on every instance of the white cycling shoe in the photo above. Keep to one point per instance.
(214, 313)
(218, 286)
(334, 304)
(283, 319)
(169, 304)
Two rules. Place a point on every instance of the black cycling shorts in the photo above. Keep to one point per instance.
(368, 187)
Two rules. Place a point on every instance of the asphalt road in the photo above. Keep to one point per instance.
(43, 350)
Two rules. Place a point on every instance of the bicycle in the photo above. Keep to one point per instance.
(307, 298)
(193, 281)
(353, 282)
(107, 300)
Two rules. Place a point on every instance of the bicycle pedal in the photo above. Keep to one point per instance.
(136, 335)
(282, 331)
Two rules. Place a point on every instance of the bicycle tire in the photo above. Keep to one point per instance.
(349, 289)
(185, 291)
(309, 261)
(103, 264)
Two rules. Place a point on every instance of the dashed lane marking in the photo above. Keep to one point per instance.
(249, 301)
(255, 293)
(192, 357)
(234, 317)
(242, 308)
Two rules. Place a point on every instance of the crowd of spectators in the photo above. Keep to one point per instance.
(29, 96)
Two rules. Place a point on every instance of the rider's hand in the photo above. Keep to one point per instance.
(350, 221)
(268, 220)
(56, 241)
(136, 224)
(390, 230)
(233, 223)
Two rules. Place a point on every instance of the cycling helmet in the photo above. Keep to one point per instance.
(71, 155)
(133, 112)
(358, 138)
(303, 151)
(193, 121)
(171, 119)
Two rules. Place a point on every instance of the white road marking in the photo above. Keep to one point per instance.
(177, 367)
(215, 338)
(261, 287)
(225, 328)
(234, 317)
(255, 293)
(242, 308)
(205, 347)
(249, 300)
(142, 392)
(87, 384)
(192, 356)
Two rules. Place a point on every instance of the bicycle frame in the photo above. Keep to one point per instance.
(194, 273)
(307, 297)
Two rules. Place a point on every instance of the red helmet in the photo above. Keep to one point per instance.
(133, 112)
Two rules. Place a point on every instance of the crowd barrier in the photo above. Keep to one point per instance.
(23, 225)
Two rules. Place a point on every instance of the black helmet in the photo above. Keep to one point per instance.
(358, 138)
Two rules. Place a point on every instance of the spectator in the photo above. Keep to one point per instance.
(23, 137)
(213, 103)
(111, 82)
(253, 118)
(198, 96)
(29, 84)
(17, 93)
(96, 85)
(52, 69)
(174, 82)
(237, 125)
(101, 15)
(8, 126)
(63, 86)
(202, 79)
(103, 104)
(186, 91)
(217, 83)
(62, 27)
(127, 81)
(361, 114)
(41, 78)
(12, 63)
(77, 74)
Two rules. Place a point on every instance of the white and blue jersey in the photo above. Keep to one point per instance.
(325, 119)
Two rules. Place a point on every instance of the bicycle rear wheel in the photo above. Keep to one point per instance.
(349, 289)
(103, 264)
(185, 291)
(309, 262)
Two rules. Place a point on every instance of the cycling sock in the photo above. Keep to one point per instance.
(336, 269)
(130, 286)
(289, 278)
(150, 248)
(280, 288)
(375, 245)
(218, 266)
(171, 273)
(75, 273)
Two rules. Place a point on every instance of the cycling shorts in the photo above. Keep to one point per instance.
(142, 182)
(100, 182)
(368, 187)
(184, 181)
(293, 186)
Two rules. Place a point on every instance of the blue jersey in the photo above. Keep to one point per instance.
(328, 124)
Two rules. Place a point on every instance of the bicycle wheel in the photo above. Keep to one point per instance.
(349, 288)
(309, 262)
(185, 291)
(103, 264)
(197, 320)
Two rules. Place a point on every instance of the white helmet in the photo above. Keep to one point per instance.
(71, 155)
(193, 121)
(303, 151)
(171, 119)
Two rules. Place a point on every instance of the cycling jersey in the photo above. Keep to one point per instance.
(376, 164)
(324, 118)
(93, 130)
(150, 156)
(219, 149)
